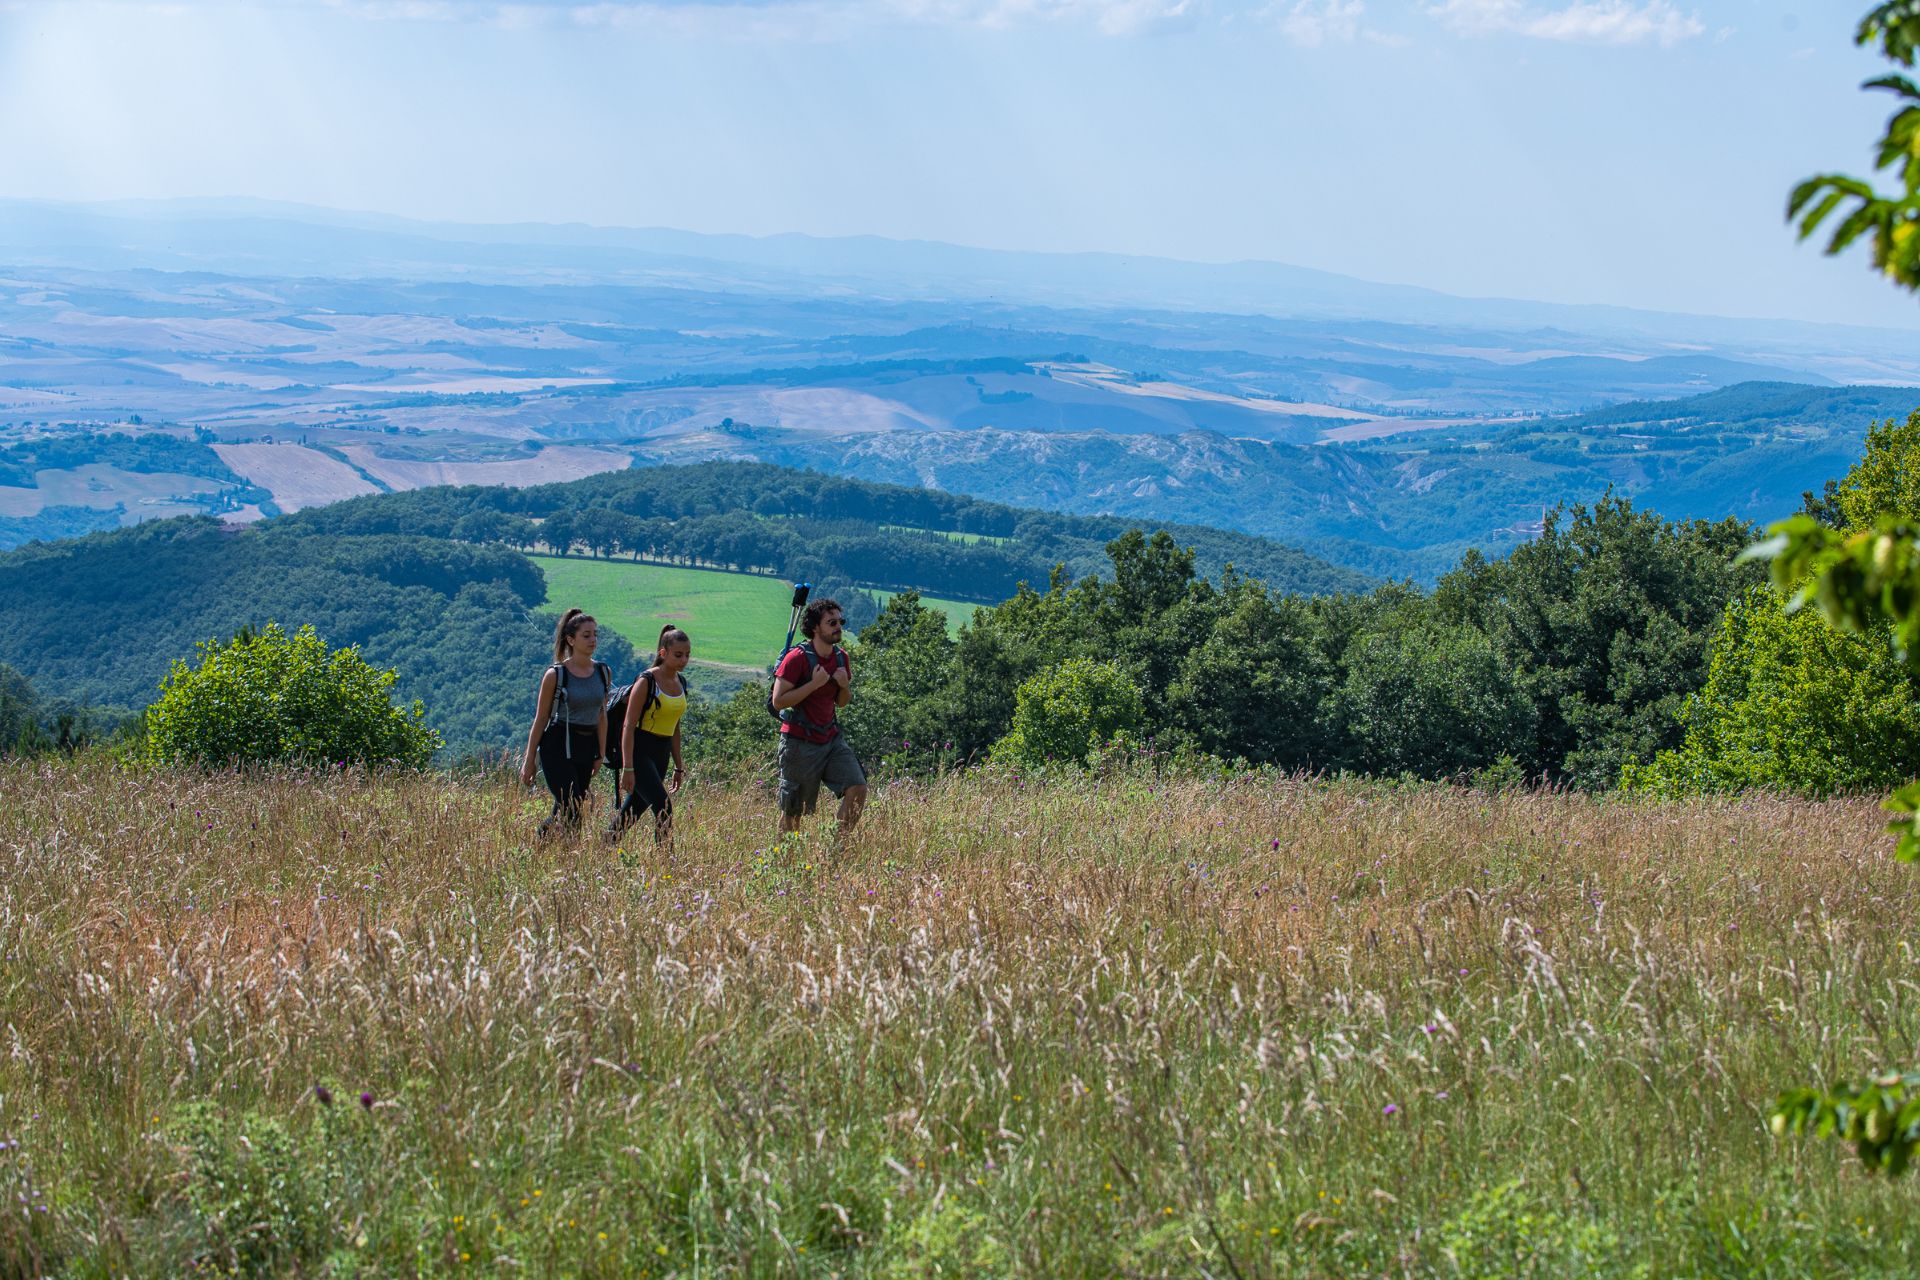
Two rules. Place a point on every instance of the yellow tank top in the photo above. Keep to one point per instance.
(663, 717)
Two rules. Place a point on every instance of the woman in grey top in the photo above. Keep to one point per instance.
(569, 733)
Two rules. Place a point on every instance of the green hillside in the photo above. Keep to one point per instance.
(735, 619)
(430, 583)
(98, 619)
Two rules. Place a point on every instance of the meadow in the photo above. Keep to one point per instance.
(1131, 1024)
(736, 619)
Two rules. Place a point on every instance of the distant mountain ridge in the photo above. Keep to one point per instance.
(252, 236)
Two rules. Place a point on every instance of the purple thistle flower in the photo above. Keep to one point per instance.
(366, 1100)
(323, 1095)
(1392, 1108)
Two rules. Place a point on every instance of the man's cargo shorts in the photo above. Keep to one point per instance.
(805, 765)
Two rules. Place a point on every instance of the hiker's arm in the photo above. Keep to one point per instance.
(679, 762)
(543, 708)
(788, 694)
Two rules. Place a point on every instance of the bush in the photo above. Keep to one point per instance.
(269, 698)
(1794, 705)
(1067, 712)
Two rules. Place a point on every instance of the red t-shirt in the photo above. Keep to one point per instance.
(822, 704)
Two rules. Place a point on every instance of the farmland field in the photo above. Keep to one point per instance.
(553, 464)
(735, 619)
(296, 476)
(1138, 1025)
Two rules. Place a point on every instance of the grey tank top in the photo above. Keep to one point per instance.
(584, 696)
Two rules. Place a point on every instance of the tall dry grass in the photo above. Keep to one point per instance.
(1131, 1026)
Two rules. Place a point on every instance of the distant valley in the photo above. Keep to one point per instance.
(185, 373)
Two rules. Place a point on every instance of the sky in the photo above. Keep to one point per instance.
(1630, 152)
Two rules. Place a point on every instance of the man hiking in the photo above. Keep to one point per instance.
(810, 686)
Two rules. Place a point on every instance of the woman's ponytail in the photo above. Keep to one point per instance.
(570, 622)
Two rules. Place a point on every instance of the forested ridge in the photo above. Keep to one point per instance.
(99, 619)
(1608, 644)
(425, 582)
(805, 525)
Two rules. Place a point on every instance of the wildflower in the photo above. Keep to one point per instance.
(366, 1100)
(1392, 1108)
(323, 1095)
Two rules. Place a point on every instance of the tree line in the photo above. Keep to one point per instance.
(801, 525)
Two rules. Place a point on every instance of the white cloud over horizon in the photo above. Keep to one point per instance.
(1305, 24)
(1312, 23)
(1585, 21)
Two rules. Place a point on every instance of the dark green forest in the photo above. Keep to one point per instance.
(804, 526)
(1562, 661)
(426, 581)
(99, 619)
(1575, 658)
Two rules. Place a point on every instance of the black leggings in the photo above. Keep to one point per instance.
(569, 768)
(652, 756)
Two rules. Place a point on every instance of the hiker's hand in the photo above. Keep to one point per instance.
(840, 676)
(673, 783)
(526, 774)
(820, 676)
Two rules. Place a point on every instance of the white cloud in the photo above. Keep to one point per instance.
(1110, 17)
(1585, 21)
(1312, 24)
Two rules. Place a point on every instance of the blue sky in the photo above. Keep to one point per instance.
(1635, 152)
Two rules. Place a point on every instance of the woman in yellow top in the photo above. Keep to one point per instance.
(651, 737)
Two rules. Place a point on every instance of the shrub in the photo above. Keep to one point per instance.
(1068, 711)
(1790, 703)
(270, 697)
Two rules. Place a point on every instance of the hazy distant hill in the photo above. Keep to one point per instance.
(308, 357)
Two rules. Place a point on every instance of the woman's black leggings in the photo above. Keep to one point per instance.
(569, 775)
(652, 757)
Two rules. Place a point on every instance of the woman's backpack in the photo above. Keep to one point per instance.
(617, 701)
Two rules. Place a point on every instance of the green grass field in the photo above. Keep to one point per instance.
(1142, 1025)
(736, 619)
(970, 539)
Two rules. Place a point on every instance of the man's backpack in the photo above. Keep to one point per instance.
(794, 714)
(617, 701)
